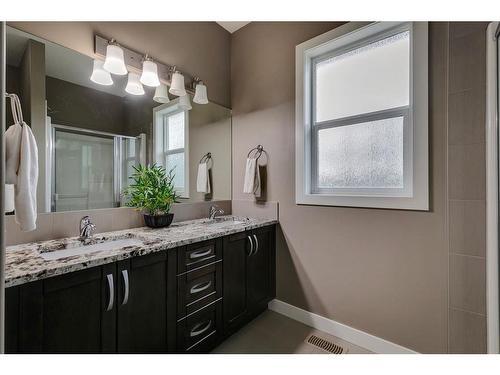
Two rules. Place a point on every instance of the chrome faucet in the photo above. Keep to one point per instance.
(86, 228)
(214, 211)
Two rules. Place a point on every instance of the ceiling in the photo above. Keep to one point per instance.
(232, 26)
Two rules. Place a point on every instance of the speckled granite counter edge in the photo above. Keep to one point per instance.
(24, 263)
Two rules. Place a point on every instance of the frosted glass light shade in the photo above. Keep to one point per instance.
(134, 85)
(161, 94)
(200, 95)
(185, 103)
(177, 86)
(115, 61)
(99, 75)
(149, 76)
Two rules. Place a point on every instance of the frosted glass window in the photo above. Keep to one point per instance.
(176, 162)
(175, 131)
(370, 78)
(365, 155)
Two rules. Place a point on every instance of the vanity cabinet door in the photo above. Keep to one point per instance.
(142, 304)
(236, 248)
(261, 270)
(74, 313)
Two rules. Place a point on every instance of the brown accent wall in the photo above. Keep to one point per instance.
(200, 48)
(467, 187)
(382, 271)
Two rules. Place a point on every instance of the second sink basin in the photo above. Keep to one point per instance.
(48, 254)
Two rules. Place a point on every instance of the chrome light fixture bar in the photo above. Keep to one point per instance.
(134, 61)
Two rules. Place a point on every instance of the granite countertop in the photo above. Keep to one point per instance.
(24, 263)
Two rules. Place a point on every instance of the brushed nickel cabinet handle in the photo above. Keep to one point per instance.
(197, 330)
(111, 289)
(251, 246)
(198, 254)
(200, 287)
(256, 244)
(127, 287)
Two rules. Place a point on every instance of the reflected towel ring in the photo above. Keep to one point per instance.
(206, 158)
(257, 152)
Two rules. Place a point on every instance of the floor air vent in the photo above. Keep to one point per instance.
(325, 345)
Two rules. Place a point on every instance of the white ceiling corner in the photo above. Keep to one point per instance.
(232, 26)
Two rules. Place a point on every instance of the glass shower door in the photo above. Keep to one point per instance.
(83, 175)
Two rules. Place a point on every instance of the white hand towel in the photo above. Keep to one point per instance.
(252, 181)
(13, 137)
(27, 179)
(203, 179)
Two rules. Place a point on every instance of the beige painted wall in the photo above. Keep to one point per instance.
(381, 271)
(199, 48)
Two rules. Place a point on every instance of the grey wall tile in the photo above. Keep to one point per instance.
(467, 227)
(467, 172)
(468, 283)
(467, 59)
(467, 116)
(467, 333)
(14, 235)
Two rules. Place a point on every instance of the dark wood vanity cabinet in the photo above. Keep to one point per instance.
(249, 276)
(183, 300)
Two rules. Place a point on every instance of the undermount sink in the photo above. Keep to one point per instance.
(79, 248)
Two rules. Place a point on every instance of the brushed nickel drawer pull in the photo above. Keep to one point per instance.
(251, 245)
(200, 287)
(198, 254)
(197, 330)
(127, 287)
(111, 292)
(256, 244)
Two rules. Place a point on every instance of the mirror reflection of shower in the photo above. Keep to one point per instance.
(90, 169)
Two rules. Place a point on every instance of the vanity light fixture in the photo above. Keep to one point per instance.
(177, 86)
(149, 76)
(200, 94)
(185, 103)
(99, 75)
(134, 85)
(115, 60)
(161, 94)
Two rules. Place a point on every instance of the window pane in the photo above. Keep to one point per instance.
(176, 161)
(365, 155)
(176, 131)
(367, 79)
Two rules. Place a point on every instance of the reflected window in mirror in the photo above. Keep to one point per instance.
(171, 146)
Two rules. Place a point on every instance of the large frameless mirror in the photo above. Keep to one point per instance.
(91, 136)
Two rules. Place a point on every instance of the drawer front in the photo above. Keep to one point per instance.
(198, 288)
(201, 331)
(199, 254)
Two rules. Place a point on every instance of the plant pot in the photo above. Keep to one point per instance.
(158, 221)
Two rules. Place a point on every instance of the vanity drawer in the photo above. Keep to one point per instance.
(199, 254)
(198, 288)
(200, 332)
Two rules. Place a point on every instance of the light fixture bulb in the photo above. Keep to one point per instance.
(185, 103)
(200, 94)
(115, 60)
(99, 75)
(177, 85)
(161, 94)
(149, 76)
(134, 85)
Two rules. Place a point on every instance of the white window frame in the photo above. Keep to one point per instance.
(415, 194)
(159, 114)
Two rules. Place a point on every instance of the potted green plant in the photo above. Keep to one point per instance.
(152, 192)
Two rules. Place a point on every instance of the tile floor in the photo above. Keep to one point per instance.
(273, 333)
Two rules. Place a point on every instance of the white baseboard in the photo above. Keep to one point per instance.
(342, 331)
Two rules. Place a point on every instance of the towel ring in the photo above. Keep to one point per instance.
(206, 158)
(257, 152)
